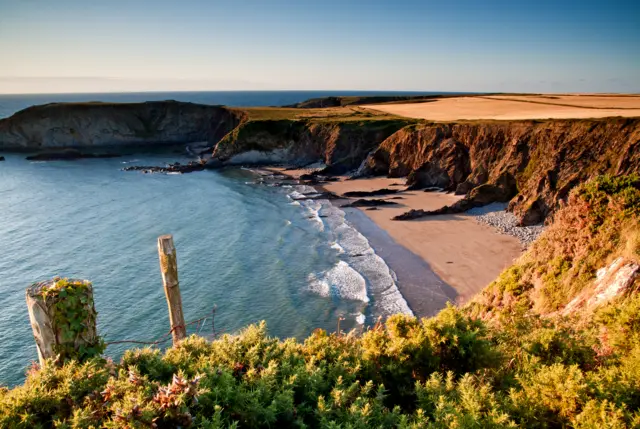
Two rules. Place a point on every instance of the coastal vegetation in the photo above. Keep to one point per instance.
(524, 353)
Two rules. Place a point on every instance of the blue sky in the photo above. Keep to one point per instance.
(465, 45)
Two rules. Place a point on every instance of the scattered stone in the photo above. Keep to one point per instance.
(372, 208)
(68, 155)
(496, 216)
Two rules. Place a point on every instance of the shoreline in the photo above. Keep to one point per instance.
(465, 255)
(421, 287)
(424, 292)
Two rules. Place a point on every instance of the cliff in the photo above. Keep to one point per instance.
(532, 164)
(64, 125)
(340, 144)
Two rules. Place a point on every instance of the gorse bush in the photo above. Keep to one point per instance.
(450, 371)
(507, 359)
(599, 222)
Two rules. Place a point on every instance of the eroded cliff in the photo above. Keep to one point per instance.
(72, 125)
(341, 145)
(531, 164)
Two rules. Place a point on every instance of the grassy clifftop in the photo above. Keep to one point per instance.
(511, 358)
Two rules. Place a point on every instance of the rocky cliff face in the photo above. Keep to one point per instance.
(342, 146)
(532, 164)
(107, 124)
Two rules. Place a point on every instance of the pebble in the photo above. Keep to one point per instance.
(496, 216)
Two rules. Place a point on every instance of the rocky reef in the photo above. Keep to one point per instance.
(74, 125)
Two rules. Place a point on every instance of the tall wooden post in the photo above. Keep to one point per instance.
(169, 269)
(63, 319)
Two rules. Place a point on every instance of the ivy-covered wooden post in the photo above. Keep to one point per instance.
(63, 319)
(169, 269)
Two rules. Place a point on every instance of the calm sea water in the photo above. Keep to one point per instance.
(249, 248)
(9, 104)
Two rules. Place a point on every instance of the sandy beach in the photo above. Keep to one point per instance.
(465, 254)
(513, 107)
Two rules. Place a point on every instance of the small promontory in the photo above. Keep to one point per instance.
(76, 125)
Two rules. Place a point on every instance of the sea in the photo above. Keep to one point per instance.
(247, 250)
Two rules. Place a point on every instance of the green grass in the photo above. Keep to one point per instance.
(331, 114)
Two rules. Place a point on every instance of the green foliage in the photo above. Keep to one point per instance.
(495, 363)
(599, 222)
(72, 309)
(450, 371)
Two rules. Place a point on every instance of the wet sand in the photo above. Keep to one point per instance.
(463, 253)
(512, 107)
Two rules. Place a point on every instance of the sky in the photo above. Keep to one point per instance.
(60, 46)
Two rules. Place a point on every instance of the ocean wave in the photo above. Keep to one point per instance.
(337, 247)
(295, 195)
(359, 265)
(374, 278)
(313, 208)
(341, 281)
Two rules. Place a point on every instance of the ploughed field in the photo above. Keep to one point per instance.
(510, 107)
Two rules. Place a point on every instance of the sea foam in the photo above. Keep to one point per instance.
(360, 274)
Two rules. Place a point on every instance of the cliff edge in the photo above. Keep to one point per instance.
(74, 125)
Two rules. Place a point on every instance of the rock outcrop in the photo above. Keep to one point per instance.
(340, 145)
(531, 164)
(80, 125)
(611, 282)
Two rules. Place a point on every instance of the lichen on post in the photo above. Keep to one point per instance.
(63, 319)
(169, 269)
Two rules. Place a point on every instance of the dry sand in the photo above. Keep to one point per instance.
(510, 107)
(465, 254)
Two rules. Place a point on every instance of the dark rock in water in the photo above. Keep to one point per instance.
(170, 168)
(384, 191)
(369, 203)
(69, 155)
(308, 176)
(1, 158)
(319, 196)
